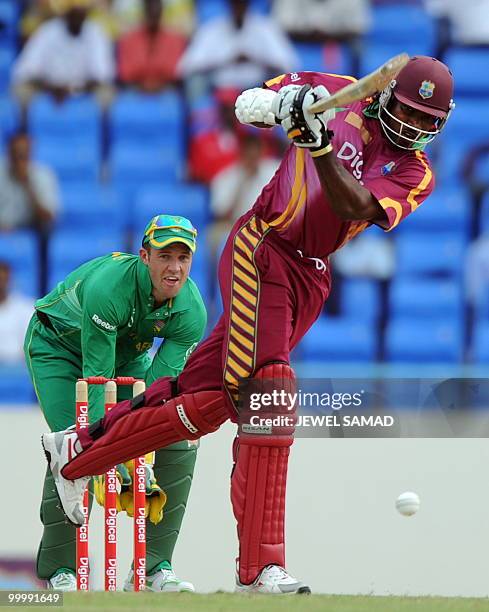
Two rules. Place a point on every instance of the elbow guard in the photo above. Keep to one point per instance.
(255, 106)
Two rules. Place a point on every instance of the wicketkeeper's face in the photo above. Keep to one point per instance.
(168, 267)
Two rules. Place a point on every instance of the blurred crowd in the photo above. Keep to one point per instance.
(201, 53)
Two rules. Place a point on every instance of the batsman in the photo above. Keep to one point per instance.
(346, 169)
(101, 321)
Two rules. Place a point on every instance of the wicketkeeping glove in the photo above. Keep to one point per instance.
(304, 128)
(155, 496)
(125, 481)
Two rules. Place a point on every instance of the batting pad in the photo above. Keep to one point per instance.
(185, 417)
(258, 488)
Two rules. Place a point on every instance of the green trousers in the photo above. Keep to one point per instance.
(54, 369)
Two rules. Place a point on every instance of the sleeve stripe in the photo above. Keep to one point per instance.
(342, 76)
(425, 181)
(387, 203)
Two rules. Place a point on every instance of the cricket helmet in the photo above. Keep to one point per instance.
(426, 85)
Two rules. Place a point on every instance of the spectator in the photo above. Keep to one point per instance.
(15, 313)
(67, 54)
(468, 22)
(28, 191)
(29, 196)
(326, 21)
(237, 50)
(215, 140)
(322, 20)
(214, 143)
(148, 56)
(366, 256)
(235, 189)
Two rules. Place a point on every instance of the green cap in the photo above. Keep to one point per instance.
(163, 230)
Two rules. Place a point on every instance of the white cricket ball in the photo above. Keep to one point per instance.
(407, 503)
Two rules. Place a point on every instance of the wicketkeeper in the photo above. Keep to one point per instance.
(101, 321)
(346, 170)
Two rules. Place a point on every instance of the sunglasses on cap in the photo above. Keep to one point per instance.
(169, 222)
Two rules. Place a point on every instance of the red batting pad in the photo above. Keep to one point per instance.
(185, 417)
(258, 488)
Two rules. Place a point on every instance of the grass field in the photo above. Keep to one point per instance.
(225, 602)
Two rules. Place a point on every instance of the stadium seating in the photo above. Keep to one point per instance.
(340, 339)
(69, 248)
(418, 341)
(7, 56)
(361, 298)
(148, 119)
(76, 118)
(87, 204)
(445, 210)
(441, 254)
(21, 250)
(177, 199)
(469, 69)
(333, 57)
(426, 298)
(67, 136)
(467, 127)
(410, 27)
(9, 119)
(480, 345)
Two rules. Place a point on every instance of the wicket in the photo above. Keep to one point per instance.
(110, 522)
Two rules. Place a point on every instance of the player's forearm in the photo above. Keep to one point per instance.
(349, 199)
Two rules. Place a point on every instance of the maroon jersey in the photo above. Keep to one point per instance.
(293, 201)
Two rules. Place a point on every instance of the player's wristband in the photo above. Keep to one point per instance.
(323, 151)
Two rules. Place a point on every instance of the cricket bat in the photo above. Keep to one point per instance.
(364, 87)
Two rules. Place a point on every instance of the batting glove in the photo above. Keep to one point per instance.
(304, 128)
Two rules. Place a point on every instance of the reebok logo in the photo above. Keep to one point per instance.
(103, 324)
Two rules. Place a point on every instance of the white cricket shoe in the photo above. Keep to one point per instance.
(162, 581)
(63, 581)
(274, 579)
(59, 448)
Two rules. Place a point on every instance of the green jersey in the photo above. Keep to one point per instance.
(104, 313)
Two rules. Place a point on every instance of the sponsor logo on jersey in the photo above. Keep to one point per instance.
(426, 90)
(294, 77)
(349, 152)
(388, 168)
(103, 324)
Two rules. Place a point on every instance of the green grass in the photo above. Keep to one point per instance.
(226, 602)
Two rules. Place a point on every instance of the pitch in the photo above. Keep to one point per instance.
(226, 602)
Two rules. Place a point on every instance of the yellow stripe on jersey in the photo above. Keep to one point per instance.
(342, 76)
(356, 121)
(387, 203)
(296, 189)
(425, 181)
(276, 80)
(300, 204)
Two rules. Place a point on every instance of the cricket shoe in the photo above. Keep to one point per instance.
(62, 581)
(274, 579)
(162, 581)
(59, 448)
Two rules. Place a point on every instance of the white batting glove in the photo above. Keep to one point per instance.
(254, 106)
